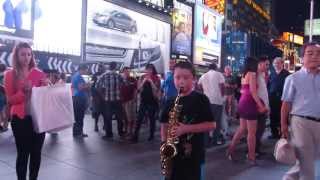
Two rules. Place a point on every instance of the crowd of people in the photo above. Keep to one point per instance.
(211, 102)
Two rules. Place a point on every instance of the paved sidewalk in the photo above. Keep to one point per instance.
(66, 158)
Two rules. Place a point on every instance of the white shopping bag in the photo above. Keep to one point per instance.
(284, 152)
(52, 108)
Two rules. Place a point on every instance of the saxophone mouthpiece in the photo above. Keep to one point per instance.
(180, 90)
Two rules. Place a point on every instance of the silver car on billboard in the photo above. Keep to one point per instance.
(115, 20)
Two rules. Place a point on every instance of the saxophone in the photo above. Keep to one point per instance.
(168, 150)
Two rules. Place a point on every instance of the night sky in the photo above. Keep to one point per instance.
(290, 14)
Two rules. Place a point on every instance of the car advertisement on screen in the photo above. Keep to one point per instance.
(16, 19)
(182, 29)
(57, 26)
(207, 36)
(115, 33)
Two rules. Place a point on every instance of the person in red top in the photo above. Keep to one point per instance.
(18, 83)
(149, 88)
(128, 98)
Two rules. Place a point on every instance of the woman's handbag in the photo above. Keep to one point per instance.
(284, 152)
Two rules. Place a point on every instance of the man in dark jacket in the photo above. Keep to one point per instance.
(277, 79)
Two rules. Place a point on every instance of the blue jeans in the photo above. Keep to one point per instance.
(79, 106)
(217, 114)
(151, 112)
(113, 108)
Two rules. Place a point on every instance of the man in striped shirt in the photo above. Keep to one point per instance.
(109, 85)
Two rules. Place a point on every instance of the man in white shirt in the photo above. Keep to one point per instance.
(212, 85)
(263, 95)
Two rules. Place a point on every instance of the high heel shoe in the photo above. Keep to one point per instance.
(252, 162)
(230, 155)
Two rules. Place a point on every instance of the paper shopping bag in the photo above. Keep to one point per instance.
(52, 108)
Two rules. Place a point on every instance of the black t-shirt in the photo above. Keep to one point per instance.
(96, 97)
(195, 110)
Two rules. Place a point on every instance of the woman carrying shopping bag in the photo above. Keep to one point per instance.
(18, 83)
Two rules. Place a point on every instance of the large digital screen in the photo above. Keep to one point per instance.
(315, 27)
(115, 33)
(182, 29)
(207, 36)
(218, 5)
(16, 18)
(57, 26)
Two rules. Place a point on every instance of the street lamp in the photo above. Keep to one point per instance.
(311, 20)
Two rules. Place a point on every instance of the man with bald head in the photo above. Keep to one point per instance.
(301, 101)
(277, 79)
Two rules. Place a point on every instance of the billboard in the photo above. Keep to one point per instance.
(207, 36)
(57, 26)
(218, 5)
(315, 27)
(129, 38)
(16, 19)
(182, 29)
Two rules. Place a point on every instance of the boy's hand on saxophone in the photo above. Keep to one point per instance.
(180, 129)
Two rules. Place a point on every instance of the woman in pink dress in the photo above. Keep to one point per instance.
(250, 105)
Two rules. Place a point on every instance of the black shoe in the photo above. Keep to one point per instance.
(107, 137)
(151, 138)
(80, 135)
(134, 139)
(3, 129)
(122, 134)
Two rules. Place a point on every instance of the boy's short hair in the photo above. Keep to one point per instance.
(185, 65)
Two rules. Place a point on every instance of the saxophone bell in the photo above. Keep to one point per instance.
(168, 149)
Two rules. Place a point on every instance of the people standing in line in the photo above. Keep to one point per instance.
(129, 100)
(149, 88)
(212, 85)
(195, 119)
(277, 79)
(168, 88)
(96, 98)
(18, 83)
(262, 93)
(109, 86)
(300, 107)
(249, 107)
(80, 99)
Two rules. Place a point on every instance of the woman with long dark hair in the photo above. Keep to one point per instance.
(149, 88)
(248, 108)
(18, 83)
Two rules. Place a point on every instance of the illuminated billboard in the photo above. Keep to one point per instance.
(218, 5)
(207, 36)
(182, 29)
(315, 28)
(118, 34)
(16, 19)
(57, 26)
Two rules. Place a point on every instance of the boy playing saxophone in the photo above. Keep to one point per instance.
(195, 118)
